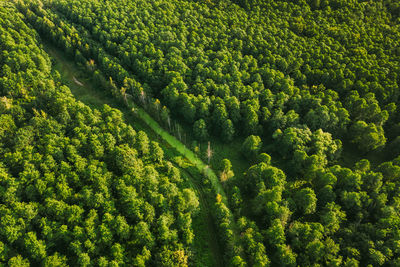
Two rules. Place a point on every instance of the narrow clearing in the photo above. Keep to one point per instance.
(86, 93)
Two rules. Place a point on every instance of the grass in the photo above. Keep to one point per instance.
(206, 245)
(220, 150)
(182, 149)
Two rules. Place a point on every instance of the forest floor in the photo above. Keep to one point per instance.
(206, 245)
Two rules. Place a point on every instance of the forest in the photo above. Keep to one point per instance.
(245, 133)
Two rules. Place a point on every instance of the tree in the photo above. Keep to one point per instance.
(170, 258)
(7, 125)
(18, 261)
(187, 108)
(142, 258)
(264, 157)
(191, 200)
(122, 228)
(237, 261)
(275, 234)
(233, 106)
(332, 217)
(367, 136)
(143, 143)
(306, 201)
(157, 153)
(83, 259)
(250, 117)
(200, 130)
(56, 260)
(35, 247)
(143, 236)
(236, 198)
(219, 119)
(226, 170)
(227, 131)
(251, 147)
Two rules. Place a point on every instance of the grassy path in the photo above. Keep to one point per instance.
(182, 149)
(92, 97)
(83, 90)
(207, 221)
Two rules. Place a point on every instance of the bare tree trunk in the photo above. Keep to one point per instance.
(209, 152)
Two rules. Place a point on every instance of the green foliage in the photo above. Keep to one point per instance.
(79, 186)
(251, 147)
(367, 137)
(18, 261)
(316, 76)
(200, 130)
(237, 80)
(264, 157)
(226, 170)
(306, 201)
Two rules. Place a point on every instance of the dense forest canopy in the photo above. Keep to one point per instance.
(247, 72)
(79, 186)
(310, 88)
